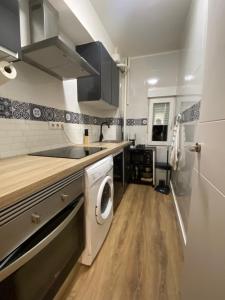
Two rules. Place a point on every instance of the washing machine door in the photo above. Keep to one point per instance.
(104, 205)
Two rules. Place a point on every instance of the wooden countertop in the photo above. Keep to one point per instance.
(24, 175)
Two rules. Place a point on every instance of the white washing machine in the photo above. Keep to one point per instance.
(98, 206)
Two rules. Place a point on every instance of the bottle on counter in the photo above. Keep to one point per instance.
(86, 137)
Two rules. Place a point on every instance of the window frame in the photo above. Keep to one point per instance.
(152, 101)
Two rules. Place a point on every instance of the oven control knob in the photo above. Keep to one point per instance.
(64, 197)
(35, 218)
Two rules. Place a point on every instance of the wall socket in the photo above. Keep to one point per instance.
(56, 125)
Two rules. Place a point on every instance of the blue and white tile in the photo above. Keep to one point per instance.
(68, 116)
(144, 121)
(80, 119)
(37, 112)
(86, 119)
(41, 113)
(75, 118)
(192, 113)
(5, 108)
(20, 110)
(59, 115)
(130, 122)
(48, 113)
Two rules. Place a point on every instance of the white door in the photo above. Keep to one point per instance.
(204, 267)
(104, 205)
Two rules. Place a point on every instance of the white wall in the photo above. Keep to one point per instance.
(88, 17)
(163, 66)
(204, 269)
(192, 56)
(189, 92)
(34, 86)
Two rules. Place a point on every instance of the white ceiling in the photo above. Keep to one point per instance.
(139, 27)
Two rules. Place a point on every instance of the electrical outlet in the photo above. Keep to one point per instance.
(56, 125)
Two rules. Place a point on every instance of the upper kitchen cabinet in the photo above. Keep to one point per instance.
(103, 88)
(9, 30)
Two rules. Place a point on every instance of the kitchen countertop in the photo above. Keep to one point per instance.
(21, 176)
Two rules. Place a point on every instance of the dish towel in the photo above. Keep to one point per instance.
(181, 155)
(174, 155)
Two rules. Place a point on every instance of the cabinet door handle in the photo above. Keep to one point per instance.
(35, 218)
(64, 197)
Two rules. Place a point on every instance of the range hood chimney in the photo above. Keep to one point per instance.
(47, 51)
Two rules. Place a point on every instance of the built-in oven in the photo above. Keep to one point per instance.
(42, 238)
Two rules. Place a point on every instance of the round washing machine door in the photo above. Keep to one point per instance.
(104, 203)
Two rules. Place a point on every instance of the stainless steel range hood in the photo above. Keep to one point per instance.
(47, 51)
(55, 58)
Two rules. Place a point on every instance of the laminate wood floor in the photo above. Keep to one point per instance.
(142, 256)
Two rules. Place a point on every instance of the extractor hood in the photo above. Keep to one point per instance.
(47, 51)
(57, 59)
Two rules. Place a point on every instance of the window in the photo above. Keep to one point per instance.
(160, 120)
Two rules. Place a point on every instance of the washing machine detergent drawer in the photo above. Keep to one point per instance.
(98, 170)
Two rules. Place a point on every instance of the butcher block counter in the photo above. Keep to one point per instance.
(25, 175)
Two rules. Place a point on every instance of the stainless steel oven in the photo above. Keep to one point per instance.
(41, 238)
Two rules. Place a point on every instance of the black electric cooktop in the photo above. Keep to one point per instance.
(69, 152)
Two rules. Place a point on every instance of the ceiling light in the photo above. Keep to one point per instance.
(152, 81)
(189, 77)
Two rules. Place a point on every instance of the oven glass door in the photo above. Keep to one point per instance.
(46, 258)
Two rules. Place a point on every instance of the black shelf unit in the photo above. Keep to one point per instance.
(142, 165)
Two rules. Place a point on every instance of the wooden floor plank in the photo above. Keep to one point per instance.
(141, 258)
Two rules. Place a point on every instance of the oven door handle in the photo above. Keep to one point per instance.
(21, 260)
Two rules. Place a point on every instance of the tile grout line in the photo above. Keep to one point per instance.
(209, 182)
(212, 121)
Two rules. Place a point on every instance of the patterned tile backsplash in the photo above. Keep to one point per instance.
(22, 132)
(11, 109)
(192, 113)
(20, 110)
(189, 115)
(24, 128)
(137, 122)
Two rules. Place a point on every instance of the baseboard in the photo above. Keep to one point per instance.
(179, 217)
